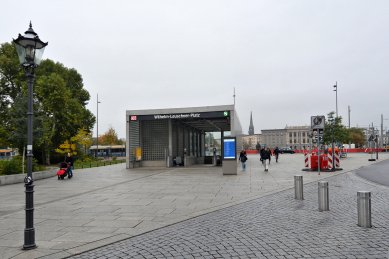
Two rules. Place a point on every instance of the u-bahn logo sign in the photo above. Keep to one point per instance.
(317, 122)
(180, 116)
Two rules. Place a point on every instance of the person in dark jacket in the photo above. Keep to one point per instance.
(265, 158)
(69, 160)
(276, 153)
(243, 159)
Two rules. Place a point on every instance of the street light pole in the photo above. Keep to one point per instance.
(234, 96)
(336, 97)
(30, 50)
(97, 127)
(382, 132)
(29, 231)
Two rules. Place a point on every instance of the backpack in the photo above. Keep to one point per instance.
(243, 159)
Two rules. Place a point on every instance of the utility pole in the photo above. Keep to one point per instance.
(382, 131)
(97, 127)
(234, 97)
(336, 96)
(349, 112)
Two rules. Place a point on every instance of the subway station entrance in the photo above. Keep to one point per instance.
(176, 137)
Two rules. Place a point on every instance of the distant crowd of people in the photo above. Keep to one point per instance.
(265, 157)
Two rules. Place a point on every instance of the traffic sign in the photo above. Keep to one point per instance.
(317, 122)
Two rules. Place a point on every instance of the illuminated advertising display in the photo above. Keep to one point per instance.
(229, 148)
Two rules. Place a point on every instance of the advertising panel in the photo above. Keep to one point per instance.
(229, 148)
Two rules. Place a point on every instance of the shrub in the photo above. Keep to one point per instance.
(87, 159)
(12, 166)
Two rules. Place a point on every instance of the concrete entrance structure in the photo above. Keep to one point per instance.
(164, 137)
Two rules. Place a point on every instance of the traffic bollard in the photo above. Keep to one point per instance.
(324, 204)
(298, 187)
(364, 209)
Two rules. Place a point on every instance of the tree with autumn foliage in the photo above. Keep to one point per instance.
(83, 139)
(59, 105)
(110, 137)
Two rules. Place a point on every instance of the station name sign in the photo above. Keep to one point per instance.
(177, 116)
(180, 116)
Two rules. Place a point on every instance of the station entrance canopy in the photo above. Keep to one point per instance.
(205, 121)
(163, 136)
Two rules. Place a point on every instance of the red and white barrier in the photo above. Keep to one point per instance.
(336, 161)
(306, 159)
(330, 163)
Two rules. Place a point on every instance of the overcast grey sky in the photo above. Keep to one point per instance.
(282, 57)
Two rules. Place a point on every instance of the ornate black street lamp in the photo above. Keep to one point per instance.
(30, 50)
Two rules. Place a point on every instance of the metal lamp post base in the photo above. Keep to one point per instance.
(29, 230)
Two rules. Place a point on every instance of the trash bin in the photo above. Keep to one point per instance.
(218, 161)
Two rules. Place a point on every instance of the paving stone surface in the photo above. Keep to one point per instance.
(273, 226)
(104, 205)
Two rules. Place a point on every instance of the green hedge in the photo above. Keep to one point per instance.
(14, 166)
(10, 167)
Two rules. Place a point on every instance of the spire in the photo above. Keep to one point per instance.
(251, 127)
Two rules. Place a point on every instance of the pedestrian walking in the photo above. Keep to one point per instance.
(271, 153)
(265, 158)
(69, 160)
(243, 159)
(276, 153)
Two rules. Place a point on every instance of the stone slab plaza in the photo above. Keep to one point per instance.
(197, 212)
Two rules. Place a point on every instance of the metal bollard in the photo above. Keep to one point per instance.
(298, 187)
(364, 209)
(324, 204)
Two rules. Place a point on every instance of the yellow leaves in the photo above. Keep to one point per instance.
(67, 147)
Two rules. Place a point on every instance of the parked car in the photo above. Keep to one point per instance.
(286, 150)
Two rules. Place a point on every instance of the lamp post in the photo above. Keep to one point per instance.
(97, 127)
(30, 50)
(336, 96)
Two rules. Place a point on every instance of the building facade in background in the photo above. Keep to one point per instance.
(295, 137)
(7, 153)
(251, 141)
(298, 137)
(274, 138)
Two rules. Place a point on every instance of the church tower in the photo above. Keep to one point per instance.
(251, 127)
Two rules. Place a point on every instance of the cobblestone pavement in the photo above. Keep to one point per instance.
(104, 205)
(273, 226)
